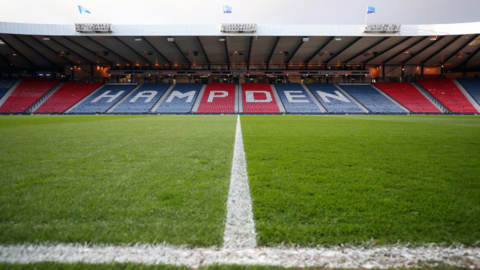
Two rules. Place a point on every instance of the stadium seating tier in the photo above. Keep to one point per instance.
(66, 96)
(407, 95)
(295, 98)
(6, 84)
(218, 98)
(103, 99)
(143, 99)
(448, 94)
(472, 85)
(371, 98)
(180, 99)
(333, 99)
(26, 94)
(259, 98)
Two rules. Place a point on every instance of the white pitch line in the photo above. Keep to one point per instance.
(240, 244)
(239, 227)
(338, 257)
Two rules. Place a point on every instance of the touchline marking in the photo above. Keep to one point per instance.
(239, 227)
(240, 245)
(337, 257)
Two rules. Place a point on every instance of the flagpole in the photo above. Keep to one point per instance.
(366, 14)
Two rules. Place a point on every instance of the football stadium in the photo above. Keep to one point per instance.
(240, 134)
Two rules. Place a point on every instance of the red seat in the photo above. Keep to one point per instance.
(448, 94)
(65, 97)
(407, 95)
(26, 94)
(218, 102)
(259, 107)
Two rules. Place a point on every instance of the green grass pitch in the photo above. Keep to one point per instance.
(115, 179)
(348, 179)
(314, 179)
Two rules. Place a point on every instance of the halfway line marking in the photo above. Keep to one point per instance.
(239, 228)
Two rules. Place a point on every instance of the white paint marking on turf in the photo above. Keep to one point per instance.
(338, 257)
(239, 228)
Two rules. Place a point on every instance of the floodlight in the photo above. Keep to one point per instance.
(170, 39)
(46, 38)
(138, 38)
(338, 39)
(305, 39)
(221, 39)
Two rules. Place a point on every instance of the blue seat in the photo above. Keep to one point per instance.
(472, 85)
(6, 84)
(372, 99)
(143, 99)
(180, 99)
(103, 99)
(295, 99)
(333, 99)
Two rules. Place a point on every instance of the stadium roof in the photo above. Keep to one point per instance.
(35, 51)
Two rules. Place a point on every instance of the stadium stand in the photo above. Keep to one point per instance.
(6, 84)
(448, 94)
(218, 98)
(472, 85)
(375, 101)
(103, 99)
(25, 95)
(65, 97)
(407, 95)
(295, 98)
(181, 98)
(142, 99)
(258, 98)
(333, 99)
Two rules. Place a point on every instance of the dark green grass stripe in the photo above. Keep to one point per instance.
(144, 179)
(333, 180)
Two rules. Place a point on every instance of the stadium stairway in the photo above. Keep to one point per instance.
(448, 94)
(83, 99)
(335, 100)
(103, 99)
(295, 99)
(431, 98)
(199, 99)
(408, 96)
(6, 84)
(66, 96)
(44, 98)
(371, 98)
(314, 99)
(280, 104)
(162, 98)
(122, 99)
(180, 99)
(472, 86)
(467, 95)
(141, 99)
(218, 98)
(9, 91)
(26, 94)
(240, 98)
(235, 108)
(391, 98)
(259, 98)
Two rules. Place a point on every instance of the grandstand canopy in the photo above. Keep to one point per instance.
(308, 35)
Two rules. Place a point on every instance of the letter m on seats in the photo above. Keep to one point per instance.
(180, 95)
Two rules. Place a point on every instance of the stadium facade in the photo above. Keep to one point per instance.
(94, 59)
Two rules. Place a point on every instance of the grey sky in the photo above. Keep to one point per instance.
(280, 12)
